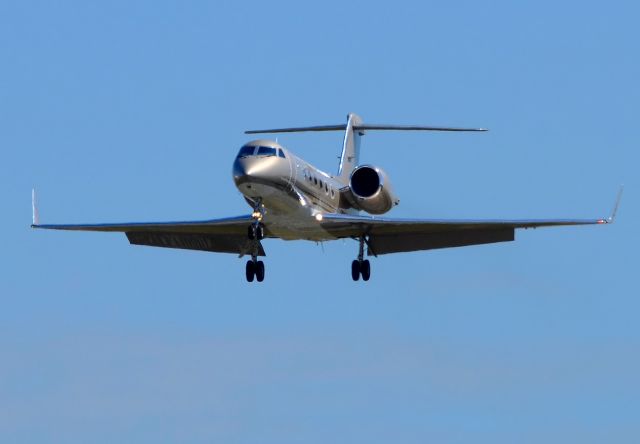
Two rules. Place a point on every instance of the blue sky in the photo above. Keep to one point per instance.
(133, 111)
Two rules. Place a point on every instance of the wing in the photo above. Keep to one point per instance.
(228, 235)
(386, 235)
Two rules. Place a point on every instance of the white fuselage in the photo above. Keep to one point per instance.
(293, 193)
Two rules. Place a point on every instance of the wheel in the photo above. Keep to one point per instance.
(365, 270)
(355, 270)
(260, 271)
(250, 234)
(250, 271)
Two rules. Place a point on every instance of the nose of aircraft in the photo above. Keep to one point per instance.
(239, 170)
(247, 168)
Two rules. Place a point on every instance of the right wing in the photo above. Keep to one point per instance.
(228, 235)
(390, 235)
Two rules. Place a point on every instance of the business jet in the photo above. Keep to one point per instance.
(293, 200)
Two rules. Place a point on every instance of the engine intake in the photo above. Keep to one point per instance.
(371, 190)
(365, 182)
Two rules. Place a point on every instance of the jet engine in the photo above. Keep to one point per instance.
(370, 190)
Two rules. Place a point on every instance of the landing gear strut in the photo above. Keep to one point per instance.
(361, 266)
(255, 232)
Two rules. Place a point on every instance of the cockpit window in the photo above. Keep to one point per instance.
(246, 151)
(281, 154)
(266, 151)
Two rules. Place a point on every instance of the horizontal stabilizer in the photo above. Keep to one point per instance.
(363, 127)
(340, 127)
(375, 127)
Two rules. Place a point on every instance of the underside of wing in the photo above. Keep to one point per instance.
(228, 235)
(387, 235)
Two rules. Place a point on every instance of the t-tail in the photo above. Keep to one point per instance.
(354, 129)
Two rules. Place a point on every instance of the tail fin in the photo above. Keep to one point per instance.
(350, 156)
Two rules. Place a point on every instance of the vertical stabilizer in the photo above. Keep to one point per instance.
(350, 156)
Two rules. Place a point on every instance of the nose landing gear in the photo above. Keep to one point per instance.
(361, 267)
(255, 233)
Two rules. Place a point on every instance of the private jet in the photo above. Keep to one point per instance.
(290, 199)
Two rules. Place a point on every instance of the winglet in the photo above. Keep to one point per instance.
(612, 218)
(35, 217)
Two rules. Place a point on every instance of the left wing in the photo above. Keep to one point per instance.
(387, 235)
(228, 235)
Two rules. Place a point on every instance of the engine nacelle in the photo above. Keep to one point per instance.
(371, 190)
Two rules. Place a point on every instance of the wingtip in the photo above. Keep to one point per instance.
(612, 217)
(35, 217)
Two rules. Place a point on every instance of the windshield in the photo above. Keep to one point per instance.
(246, 151)
(266, 151)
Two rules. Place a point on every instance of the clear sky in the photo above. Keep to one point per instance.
(133, 111)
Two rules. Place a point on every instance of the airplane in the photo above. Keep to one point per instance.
(293, 200)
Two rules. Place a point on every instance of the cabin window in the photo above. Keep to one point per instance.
(266, 151)
(281, 154)
(333, 194)
(326, 188)
(315, 181)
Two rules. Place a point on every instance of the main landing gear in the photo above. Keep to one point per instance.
(255, 268)
(361, 266)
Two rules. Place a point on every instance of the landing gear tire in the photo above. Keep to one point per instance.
(259, 271)
(361, 266)
(355, 270)
(251, 271)
(365, 270)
